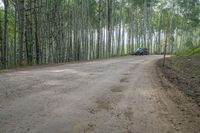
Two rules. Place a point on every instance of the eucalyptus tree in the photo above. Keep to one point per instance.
(5, 38)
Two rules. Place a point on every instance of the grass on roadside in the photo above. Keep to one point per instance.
(189, 52)
(189, 65)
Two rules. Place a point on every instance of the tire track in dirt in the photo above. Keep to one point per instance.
(105, 107)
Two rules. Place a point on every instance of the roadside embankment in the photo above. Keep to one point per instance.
(184, 73)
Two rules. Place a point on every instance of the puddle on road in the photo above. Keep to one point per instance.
(117, 89)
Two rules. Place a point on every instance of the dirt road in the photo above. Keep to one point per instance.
(119, 95)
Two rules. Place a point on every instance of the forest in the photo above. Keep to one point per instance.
(56, 31)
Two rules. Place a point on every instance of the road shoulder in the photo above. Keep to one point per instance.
(173, 99)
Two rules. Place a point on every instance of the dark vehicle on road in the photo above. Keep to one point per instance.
(142, 51)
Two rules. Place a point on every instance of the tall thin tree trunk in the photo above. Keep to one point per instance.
(37, 45)
(1, 45)
(5, 38)
(22, 30)
(15, 33)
